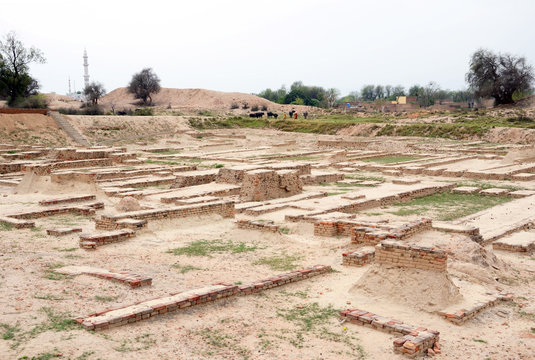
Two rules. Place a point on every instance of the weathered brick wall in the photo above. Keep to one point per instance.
(391, 252)
(142, 310)
(344, 144)
(67, 199)
(323, 178)
(372, 235)
(223, 208)
(6, 168)
(85, 209)
(259, 185)
(45, 169)
(460, 316)
(258, 225)
(359, 257)
(91, 241)
(192, 179)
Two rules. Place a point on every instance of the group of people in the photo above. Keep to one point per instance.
(293, 115)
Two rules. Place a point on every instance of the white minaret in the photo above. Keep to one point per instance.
(86, 69)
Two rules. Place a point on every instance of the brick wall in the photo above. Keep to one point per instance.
(259, 185)
(391, 252)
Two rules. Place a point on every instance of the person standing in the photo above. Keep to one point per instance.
(295, 115)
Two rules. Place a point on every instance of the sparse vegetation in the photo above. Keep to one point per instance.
(185, 268)
(208, 247)
(279, 262)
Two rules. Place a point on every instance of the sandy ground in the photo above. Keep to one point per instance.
(297, 321)
(31, 129)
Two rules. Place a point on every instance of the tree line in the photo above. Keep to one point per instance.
(504, 77)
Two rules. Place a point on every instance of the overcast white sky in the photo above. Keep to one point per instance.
(249, 45)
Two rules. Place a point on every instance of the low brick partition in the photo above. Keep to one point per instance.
(145, 309)
(194, 178)
(235, 174)
(16, 223)
(301, 168)
(45, 169)
(91, 241)
(460, 316)
(67, 199)
(133, 280)
(344, 144)
(86, 209)
(405, 181)
(470, 231)
(359, 257)
(259, 185)
(11, 167)
(415, 341)
(144, 182)
(374, 235)
(523, 242)
(24, 155)
(128, 173)
(397, 253)
(62, 231)
(466, 190)
(223, 208)
(315, 179)
(257, 225)
(337, 227)
(134, 224)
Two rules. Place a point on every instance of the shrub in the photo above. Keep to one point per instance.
(32, 102)
(245, 106)
(254, 108)
(146, 111)
(264, 108)
(234, 106)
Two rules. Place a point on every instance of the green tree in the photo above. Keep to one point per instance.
(368, 93)
(144, 84)
(94, 91)
(15, 60)
(499, 75)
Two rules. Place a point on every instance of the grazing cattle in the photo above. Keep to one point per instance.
(305, 114)
(252, 115)
(272, 114)
(275, 115)
(256, 114)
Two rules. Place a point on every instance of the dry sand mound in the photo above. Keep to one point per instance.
(424, 290)
(195, 99)
(128, 203)
(32, 183)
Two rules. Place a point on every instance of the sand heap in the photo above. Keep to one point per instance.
(128, 203)
(424, 290)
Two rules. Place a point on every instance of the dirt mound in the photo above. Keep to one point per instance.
(196, 99)
(31, 129)
(424, 290)
(527, 102)
(128, 203)
(32, 183)
(520, 155)
(56, 101)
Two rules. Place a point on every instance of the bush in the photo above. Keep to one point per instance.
(146, 111)
(32, 102)
(234, 106)
(264, 108)
(84, 110)
(254, 108)
(245, 106)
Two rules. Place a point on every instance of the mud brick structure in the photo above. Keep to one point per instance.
(223, 208)
(259, 185)
(523, 242)
(338, 227)
(91, 241)
(397, 253)
(16, 223)
(495, 192)
(144, 182)
(133, 280)
(521, 193)
(86, 209)
(405, 181)
(145, 309)
(231, 190)
(258, 225)
(63, 176)
(374, 235)
(63, 231)
(67, 199)
(415, 341)
(134, 224)
(359, 257)
(470, 231)
(46, 169)
(302, 169)
(235, 174)
(128, 173)
(523, 177)
(315, 179)
(194, 178)
(11, 167)
(460, 316)
(344, 144)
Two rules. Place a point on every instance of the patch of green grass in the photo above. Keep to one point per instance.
(284, 230)
(299, 294)
(9, 331)
(5, 226)
(69, 249)
(297, 158)
(448, 206)
(44, 356)
(392, 159)
(308, 316)
(105, 298)
(365, 177)
(334, 193)
(480, 341)
(207, 247)
(219, 342)
(51, 274)
(280, 262)
(56, 321)
(185, 268)
(49, 297)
